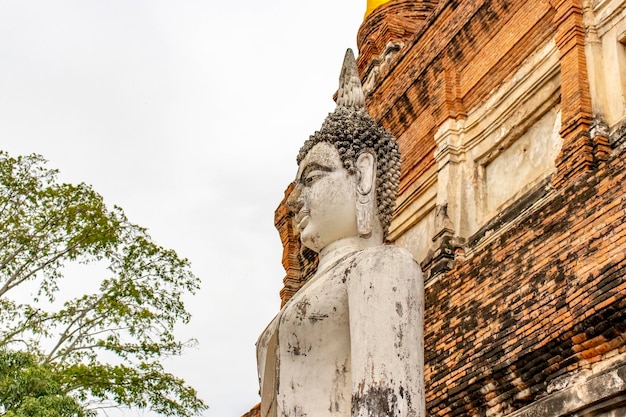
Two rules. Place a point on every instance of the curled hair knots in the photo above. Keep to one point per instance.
(353, 131)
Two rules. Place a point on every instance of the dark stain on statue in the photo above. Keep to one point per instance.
(341, 372)
(399, 309)
(347, 271)
(333, 407)
(376, 402)
(296, 412)
(301, 308)
(295, 349)
(398, 343)
(315, 317)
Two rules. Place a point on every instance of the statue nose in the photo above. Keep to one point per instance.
(294, 202)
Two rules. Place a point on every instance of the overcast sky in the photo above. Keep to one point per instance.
(187, 114)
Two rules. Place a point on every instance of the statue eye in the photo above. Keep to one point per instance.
(312, 177)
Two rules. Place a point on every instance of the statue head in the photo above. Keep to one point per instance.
(348, 172)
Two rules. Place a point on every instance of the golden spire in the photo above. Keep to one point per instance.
(373, 4)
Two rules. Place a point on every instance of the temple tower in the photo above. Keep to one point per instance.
(387, 27)
(511, 120)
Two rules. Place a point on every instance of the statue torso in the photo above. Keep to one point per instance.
(307, 365)
(313, 350)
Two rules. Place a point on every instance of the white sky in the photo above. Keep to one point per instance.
(187, 114)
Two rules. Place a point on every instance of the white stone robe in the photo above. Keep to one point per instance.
(349, 342)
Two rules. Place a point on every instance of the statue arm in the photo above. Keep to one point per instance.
(267, 361)
(385, 299)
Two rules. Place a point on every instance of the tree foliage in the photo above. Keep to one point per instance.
(30, 389)
(105, 345)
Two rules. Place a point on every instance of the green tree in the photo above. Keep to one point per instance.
(104, 347)
(29, 389)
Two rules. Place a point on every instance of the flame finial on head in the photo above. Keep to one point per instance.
(350, 92)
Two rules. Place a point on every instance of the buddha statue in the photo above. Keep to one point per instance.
(350, 341)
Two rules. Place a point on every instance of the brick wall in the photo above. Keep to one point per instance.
(394, 22)
(452, 64)
(544, 297)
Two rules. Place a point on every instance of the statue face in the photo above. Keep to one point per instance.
(323, 200)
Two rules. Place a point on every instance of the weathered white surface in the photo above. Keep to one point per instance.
(418, 239)
(481, 161)
(605, 47)
(349, 343)
(414, 206)
(596, 392)
(529, 158)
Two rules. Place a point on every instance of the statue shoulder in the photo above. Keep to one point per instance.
(389, 252)
(387, 259)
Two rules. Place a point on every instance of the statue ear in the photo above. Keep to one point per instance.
(365, 193)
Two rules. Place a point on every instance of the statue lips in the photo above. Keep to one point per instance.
(302, 219)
